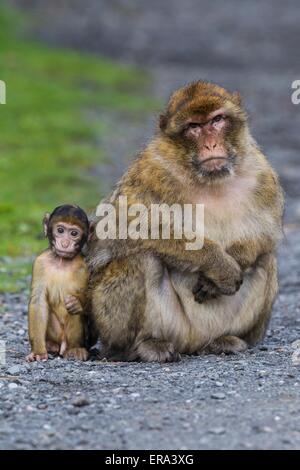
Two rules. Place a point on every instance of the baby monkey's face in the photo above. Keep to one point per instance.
(66, 239)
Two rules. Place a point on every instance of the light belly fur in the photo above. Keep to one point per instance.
(191, 326)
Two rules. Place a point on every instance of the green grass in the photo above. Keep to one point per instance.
(14, 275)
(48, 141)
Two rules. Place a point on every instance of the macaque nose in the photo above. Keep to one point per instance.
(210, 147)
(65, 243)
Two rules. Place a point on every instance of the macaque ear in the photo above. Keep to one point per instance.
(46, 223)
(237, 98)
(163, 121)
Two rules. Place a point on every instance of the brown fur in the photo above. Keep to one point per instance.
(144, 305)
(51, 327)
(57, 320)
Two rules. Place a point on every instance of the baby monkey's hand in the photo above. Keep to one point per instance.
(73, 305)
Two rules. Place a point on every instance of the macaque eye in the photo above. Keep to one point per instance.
(60, 230)
(218, 118)
(194, 125)
(74, 233)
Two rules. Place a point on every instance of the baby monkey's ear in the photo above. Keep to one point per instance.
(46, 223)
(92, 230)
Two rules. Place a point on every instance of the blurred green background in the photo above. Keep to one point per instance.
(74, 119)
(50, 140)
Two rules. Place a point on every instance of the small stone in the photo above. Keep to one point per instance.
(14, 370)
(81, 401)
(73, 411)
(296, 357)
(21, 332)
(184, 425)
(12, 386)
(265, 429)
(219, 384)
(262, 373)
(217, 430)
(50, 432)
(218, 396)
(42, 406)
(296, 344)
(135, 395)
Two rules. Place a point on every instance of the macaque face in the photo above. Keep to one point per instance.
(66, 239)
(207, 133)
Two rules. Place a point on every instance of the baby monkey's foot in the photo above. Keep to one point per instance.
(80, 354)
(36, 357)
(205, 290)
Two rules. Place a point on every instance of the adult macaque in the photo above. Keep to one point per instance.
(57, 305)
(167, 300)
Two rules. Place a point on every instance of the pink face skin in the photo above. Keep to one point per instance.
(66, 239)
(208, 132)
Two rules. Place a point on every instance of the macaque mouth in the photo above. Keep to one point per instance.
(212, 158)
(211, 171)
(65, 254)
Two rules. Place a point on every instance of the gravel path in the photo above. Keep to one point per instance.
(249, 401)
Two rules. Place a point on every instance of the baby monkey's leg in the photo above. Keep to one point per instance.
(75, 339)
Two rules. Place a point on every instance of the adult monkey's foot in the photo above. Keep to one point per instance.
(80, 354)
(154, 350)
(227, 345)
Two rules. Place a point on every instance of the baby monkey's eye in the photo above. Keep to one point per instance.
(74, 233)
(60, 230)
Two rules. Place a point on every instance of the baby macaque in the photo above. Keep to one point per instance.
(57, 306)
